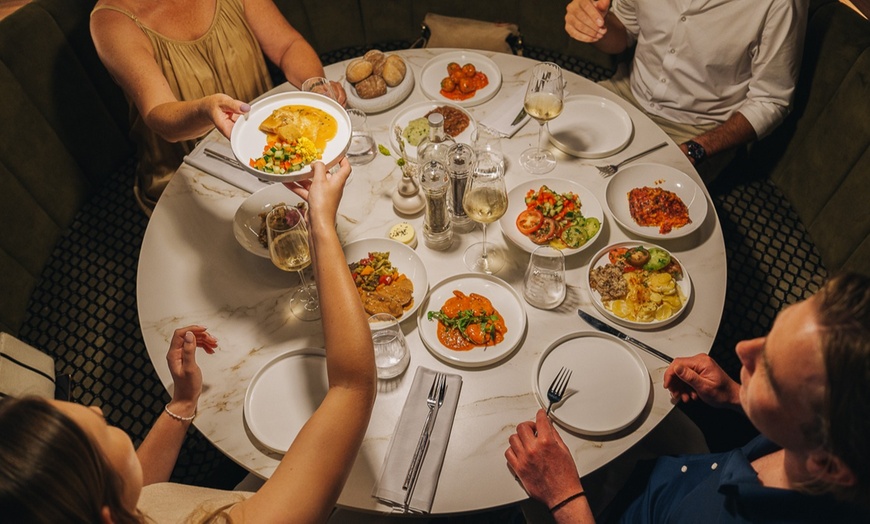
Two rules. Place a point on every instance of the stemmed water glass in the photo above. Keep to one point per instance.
(288, 249)
(485, 201)
(543, 102)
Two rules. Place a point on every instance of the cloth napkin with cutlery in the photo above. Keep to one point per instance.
(404, 442)
(509, 117)
(216, 158)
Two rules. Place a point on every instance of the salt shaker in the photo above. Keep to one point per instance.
(460, 158)
(437, 229)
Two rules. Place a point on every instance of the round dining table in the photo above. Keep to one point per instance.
(192, 270)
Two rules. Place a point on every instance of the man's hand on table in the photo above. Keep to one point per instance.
(541, 461)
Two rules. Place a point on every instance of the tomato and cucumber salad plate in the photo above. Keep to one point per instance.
(551, 211)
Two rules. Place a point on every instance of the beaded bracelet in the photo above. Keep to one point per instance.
(179, 417)
(567, 500)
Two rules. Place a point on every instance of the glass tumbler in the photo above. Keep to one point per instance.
(362, 148)
(544, 283)
(391, 350)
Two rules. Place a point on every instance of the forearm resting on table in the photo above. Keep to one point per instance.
(159, 450)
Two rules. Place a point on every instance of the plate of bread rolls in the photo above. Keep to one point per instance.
(377, 81)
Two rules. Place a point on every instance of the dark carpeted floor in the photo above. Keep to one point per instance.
(84, 312)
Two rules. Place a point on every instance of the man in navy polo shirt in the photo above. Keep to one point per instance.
(805, 387)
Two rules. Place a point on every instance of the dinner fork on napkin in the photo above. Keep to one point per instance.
(504, 119)
(404, 442)
(210, 156)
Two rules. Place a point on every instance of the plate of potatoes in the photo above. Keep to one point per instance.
(377, 81)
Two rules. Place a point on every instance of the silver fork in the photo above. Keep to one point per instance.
(611, 169)
(420, 454)
(558, 387)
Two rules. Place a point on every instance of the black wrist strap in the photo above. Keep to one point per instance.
(566, 501)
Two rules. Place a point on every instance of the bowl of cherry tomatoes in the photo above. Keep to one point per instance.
(463, 78)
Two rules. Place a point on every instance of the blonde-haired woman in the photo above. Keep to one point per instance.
(61, 462)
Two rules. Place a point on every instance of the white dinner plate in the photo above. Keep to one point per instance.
(403, 258)
(435, 70)
(609, 385)
(590, 127)
(248, 141)
(655, 175)
(504, 299)
(283, 395)
(602, 259)
(247, 221)
(589, 207)
(393, 97)
(419, 110)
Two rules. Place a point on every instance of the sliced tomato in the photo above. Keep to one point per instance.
(529, 221)
(545, 233)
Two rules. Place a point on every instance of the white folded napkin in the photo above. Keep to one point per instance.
(500, 118)
(404, 442)
(219, 169)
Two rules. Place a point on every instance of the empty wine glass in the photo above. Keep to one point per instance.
(485, 201)
(543, 102)
(288, 249)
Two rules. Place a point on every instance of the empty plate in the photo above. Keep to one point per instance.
(283, 395)
(609, 386)
(590, 127)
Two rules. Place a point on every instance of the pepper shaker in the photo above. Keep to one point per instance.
(460, 158)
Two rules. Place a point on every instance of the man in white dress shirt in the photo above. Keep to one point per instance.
(713, 74)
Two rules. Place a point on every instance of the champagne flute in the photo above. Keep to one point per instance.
(543, 102)
(288, 249)
(485, 201)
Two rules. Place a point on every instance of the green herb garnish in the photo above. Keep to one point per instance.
(466, 318)
(383, 149)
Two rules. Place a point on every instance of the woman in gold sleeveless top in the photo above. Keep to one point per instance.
(187, 66)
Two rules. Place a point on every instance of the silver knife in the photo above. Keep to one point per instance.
(520, 116)
(601, 326)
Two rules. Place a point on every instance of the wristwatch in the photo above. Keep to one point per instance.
(696, 152)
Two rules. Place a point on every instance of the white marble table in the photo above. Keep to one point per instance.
(192, 270)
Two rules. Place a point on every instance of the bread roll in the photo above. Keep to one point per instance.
(394, 70)
(358, 70)
(372, 87)
(377, 59)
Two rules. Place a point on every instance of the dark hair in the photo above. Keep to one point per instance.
(843, 311)
(50, 471)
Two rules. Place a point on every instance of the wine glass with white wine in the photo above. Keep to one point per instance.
(543, 102)
(288, 249)
(485, 201)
